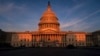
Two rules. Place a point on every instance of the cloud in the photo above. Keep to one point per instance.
(11, 10)
(78, 23)
(73, 9)
(16, 17)
(81, 27)
(5, 7)
(72, 12)
(8, 7)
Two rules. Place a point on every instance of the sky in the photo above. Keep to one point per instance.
(73, 15)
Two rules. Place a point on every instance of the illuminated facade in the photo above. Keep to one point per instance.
(48, 34)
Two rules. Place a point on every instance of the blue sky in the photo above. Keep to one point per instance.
(73, 15)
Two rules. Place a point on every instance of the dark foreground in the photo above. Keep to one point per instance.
(49, 52)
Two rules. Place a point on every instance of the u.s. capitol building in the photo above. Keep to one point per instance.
(48, 34)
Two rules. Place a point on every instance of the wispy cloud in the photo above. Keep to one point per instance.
(5, 7)
(11, 10)
(9, 7)
(16, 17)
(67, 12)
(78, 23)
(73, 9)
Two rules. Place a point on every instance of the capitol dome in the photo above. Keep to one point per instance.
(48, 21)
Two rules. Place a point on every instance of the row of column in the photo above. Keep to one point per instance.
(49, 25)
(47, 37)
